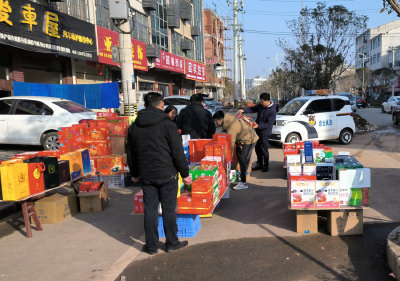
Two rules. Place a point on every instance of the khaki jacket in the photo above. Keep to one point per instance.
(241, 132)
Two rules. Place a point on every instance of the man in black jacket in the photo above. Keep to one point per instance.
(266, 115)
(196, 121)
(155, 156)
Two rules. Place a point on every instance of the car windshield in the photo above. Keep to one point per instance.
(72, 107)
(292, 107)
(350, 97)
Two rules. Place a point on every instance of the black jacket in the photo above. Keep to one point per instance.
(265, 118)
(154, 147)
(196, 121)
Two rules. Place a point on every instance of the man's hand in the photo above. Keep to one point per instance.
(255, 126)
(241, 111)
(135, 179)
(187, 180)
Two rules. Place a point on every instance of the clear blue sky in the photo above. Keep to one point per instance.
(271, 16)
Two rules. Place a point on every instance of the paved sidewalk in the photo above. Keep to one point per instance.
(8, 151)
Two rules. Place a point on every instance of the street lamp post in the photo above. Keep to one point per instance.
(363, 57)
(277, 64)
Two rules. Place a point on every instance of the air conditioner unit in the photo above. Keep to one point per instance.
(152, 51)
(195, 31)
(186, 44)
(173, 16)
(186, 10)
(150, 4)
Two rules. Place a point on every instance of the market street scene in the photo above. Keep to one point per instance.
(199, 140)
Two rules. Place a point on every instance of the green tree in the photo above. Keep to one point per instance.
(323, 39)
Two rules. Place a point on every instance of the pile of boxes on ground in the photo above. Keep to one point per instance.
(319, 180)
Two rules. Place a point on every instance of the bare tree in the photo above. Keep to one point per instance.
(364, 79)
(323, 38)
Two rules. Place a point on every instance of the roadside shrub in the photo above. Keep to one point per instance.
(376, 103)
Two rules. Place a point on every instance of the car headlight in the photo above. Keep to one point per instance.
(281, 122)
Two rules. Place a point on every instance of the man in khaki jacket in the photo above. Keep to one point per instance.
(242, 135)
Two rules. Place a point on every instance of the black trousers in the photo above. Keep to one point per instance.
(165, 191)
(244, 156)
(262, 149)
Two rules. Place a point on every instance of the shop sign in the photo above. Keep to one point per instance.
(27, 25)
(170, 62)
(107, 38)
(211, 61)
(195, 70)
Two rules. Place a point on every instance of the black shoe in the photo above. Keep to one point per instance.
(146, 250)
(182, 244)
(265, 169)
(258, 166)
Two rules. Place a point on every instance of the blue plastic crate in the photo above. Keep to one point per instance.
(188, 225)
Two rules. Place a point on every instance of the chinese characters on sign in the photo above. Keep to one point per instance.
(195, 70)
(107, 38)
(170, 62)
(325, 123)
(25, 24)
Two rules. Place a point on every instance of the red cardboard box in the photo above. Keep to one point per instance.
(225, 138)
(84, 122)
(50, 153)
(200, 203)
(109, 165)
(202, 211)
(71, 147)
(98, 148)
(185, 200)
(196, 149)
(84, 187)
(69, 134)
(209, 149)
(28, 154)
(202, 187)
(106, 114)
(95, 187)
(138, 202)
(300, 145)
(289, 146)
(97, 134)
(118, 126)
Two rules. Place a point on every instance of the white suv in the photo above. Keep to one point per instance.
(315, 117)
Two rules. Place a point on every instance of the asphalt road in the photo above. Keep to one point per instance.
(376, 117)
(308, 257)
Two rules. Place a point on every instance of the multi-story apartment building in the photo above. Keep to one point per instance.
(375, 44)
(52, 42)
(251, 83)
(214, 55)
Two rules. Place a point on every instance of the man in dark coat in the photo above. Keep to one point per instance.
(195, 120)
(266, 115)
(155, 156)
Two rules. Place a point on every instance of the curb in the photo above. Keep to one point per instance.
(393, 251)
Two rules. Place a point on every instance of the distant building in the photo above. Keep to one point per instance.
(376, 43)
(254, 82)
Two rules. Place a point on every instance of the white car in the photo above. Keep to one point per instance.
(34, 120)
(387, 106)
(180, 102)
(314, 118)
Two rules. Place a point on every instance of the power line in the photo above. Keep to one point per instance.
(287, 1)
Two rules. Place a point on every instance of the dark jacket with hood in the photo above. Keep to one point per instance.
(154, 147)
(196, 121)
(265, 118)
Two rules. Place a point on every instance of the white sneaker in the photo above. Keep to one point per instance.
(241, 186)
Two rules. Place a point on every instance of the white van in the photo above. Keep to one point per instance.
(315, 118)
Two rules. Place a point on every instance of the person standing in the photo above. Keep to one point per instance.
(155, 156)
(195, 120)
(241, 134)
(266, 115)
(172, 112)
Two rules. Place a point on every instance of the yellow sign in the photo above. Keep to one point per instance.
(140, 52)
(5, 10)
(52, 24)
(108, 43)
(76, 37)
(29, 15)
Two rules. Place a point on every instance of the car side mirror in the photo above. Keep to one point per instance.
(308, 111)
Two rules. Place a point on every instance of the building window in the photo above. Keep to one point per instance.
(213, 26)
(198, 21)
(176, 40)
(144, 86)
(189, 54)
(159, 27)
(76, 8)
(378, 57)
(141, 30)
(379, 41)
(214, 47)
(103, 15)
(374, 59)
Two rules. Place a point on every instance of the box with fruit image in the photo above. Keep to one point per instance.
(118, 126)
(97, 134)
(328, 194)
(302, 195)
(71, 134)
(99, 148)
(109, 165)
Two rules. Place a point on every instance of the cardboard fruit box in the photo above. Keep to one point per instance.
(95, 201)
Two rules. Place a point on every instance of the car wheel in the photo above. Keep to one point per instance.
(383, 109)
(346, 136)
(395, 121)
(292, 138)
(50, 141)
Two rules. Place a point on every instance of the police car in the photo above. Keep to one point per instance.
(315, 118)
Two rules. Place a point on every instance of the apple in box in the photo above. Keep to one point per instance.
(328, 193)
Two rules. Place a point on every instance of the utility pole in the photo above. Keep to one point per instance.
(242, 75)
(235, 53)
